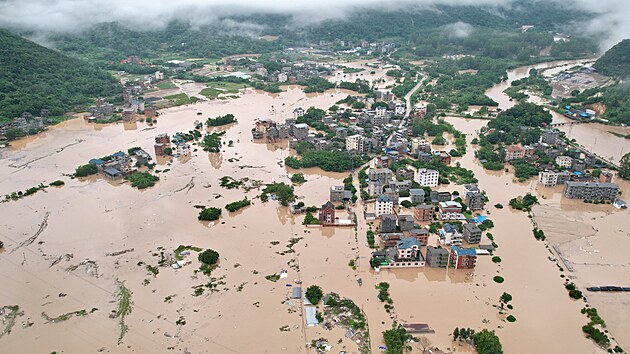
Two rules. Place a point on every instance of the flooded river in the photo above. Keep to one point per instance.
(63, 250)
(594, 137)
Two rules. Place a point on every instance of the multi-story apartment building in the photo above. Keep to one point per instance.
(475, 201)
(450, 210)
(463, 258)
(449, 235)
(388, 223)
(300, 131)
(380, 174)
(437, 257)
(513, 152)
(591, 190)
(564, 161)
(427, 178)
(357, 143)
(472, 233)
(417, 196)
(423, 212)
(384, 205)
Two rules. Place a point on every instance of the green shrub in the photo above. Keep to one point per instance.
(142, 180)
(234, 206)
(209, 214)
(86, 170)
(499, 279)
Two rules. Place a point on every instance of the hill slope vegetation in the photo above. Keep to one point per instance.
(33, 78)
(615, 62)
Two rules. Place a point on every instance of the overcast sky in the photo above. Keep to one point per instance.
(610, 17)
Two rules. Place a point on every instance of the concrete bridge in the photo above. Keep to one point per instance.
(569, 123)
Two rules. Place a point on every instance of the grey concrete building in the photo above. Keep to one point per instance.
(591, 190)
(388, 223)
(417, 196)
(339, 194)
(549, 136)
(405, 222)
(475, 201)
(472, 233)
(437, 257)
(300, 131)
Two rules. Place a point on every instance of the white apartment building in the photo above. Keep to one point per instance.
(427, 178)
(564, 161)
(355, 142)
(384, 205)
(548, 178)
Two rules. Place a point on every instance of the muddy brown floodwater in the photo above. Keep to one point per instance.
(594, 137)
(49, 237)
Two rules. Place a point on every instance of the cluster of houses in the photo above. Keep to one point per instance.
(26, 123)
(120, 164)
(352, 47)
(177, 147)
(402, 240)
(403, 244)
(292, 72)
(362, 132)
(569, 168)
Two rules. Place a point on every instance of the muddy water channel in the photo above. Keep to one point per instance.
(586, 241)
(594, 137)
(68, 248)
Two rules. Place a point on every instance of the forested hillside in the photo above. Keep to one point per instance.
(420, 30)
(33, 78)
(616, 61)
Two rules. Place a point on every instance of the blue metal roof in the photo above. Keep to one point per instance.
(96, 162)
(408, 243)
(479, 219)
(464, 251)
(118, 154)
(449, 228)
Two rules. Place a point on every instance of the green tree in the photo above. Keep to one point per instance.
(624, 169)
(396, 340)
(487, 342)
(314, 294)
(209, 257)
(86, 170)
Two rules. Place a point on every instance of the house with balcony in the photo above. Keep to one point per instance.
(450, 236)
(406, 254)
(422, 235)
(437, 257)
(463, 258)
(423, 212)
(384, 205)
(327, 214)
(451, 210)
(472, 233)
